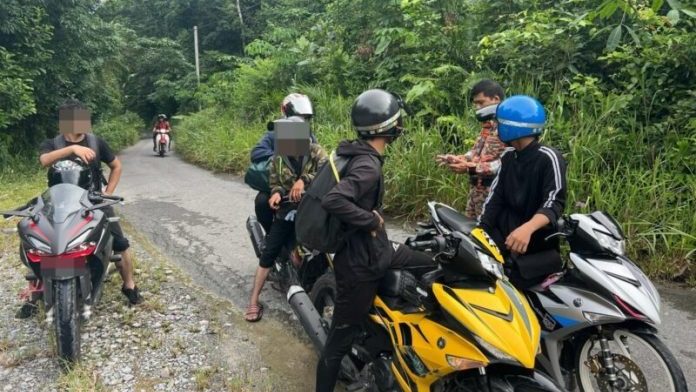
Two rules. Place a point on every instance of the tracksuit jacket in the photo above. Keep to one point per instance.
(531, 181)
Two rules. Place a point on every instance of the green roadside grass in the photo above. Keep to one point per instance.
(654, 202)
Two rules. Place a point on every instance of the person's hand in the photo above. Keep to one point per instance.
(381, 220)
(381, 223)
(518, 240)
(84, 153)
(459, 166)
(296, 191)
(443, 159)
(274, 201)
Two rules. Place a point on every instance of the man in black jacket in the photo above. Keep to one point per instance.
(356, 200)
(528, 195)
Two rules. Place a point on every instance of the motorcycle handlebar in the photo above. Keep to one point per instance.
(98, 197)
(111, 197)
(433, 244)
(564, 229)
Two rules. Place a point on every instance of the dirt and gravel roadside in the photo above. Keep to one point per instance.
(180, 339)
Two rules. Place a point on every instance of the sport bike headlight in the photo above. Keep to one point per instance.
(610, 243)
(38, 245)
(79, 240)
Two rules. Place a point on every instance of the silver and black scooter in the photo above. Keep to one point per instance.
(599, 315)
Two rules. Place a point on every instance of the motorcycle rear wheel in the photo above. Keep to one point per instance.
(660, 372)
(323, 296)
(66, 313)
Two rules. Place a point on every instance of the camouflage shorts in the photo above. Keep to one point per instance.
(477, 196)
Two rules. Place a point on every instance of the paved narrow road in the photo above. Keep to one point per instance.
(198, 219)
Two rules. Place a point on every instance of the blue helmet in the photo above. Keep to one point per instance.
(520, 116)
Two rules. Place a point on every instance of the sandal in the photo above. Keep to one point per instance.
(253, 313)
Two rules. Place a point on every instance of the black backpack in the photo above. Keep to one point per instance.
(315, 228)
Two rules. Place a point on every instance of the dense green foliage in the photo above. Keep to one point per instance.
(616, 77)
(617, 80)
(54, 50)
(120, 131)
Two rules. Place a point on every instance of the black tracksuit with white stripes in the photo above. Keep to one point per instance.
(531, 181)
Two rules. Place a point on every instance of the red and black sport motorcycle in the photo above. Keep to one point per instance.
(67, 245)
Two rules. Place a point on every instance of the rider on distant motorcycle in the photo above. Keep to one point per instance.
(161, 123)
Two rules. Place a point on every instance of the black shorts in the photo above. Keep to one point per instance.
(120, 241)
(354, 298)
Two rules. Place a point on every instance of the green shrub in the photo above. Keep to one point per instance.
(121, 131)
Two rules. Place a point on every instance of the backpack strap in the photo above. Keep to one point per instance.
(332, 162)
(380, 185)
(59, 142)
(93, 144)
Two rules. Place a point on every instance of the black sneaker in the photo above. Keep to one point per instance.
(27, 310)
(133, 295)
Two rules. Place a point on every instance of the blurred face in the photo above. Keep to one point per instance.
(74, 121)
(481, 101)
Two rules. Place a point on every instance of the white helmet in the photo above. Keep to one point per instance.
(297, 105)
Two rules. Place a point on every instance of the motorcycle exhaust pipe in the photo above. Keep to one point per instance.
(309, 317)
(257, 234)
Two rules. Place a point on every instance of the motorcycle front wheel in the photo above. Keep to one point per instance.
(66, 313)
(642, 362)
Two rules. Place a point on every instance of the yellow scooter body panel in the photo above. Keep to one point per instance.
(500, 315)
(430, 341)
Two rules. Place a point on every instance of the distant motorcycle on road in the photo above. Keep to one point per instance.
(162, 141)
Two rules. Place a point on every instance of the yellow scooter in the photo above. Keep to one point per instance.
(461, 327)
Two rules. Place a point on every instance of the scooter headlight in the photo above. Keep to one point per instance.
(490, 265)
(610, 243)
(496, 352)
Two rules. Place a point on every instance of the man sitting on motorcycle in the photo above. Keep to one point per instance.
(289, 176)
(528, 195)
(292, 105)
(76, 145)
(161, 123)
(356, 201)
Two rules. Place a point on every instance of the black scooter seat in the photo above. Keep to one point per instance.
(456, 221)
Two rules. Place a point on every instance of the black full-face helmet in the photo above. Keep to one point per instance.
(377, 113)
(70, 172)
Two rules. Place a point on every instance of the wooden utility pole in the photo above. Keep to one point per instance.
(241, 25)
